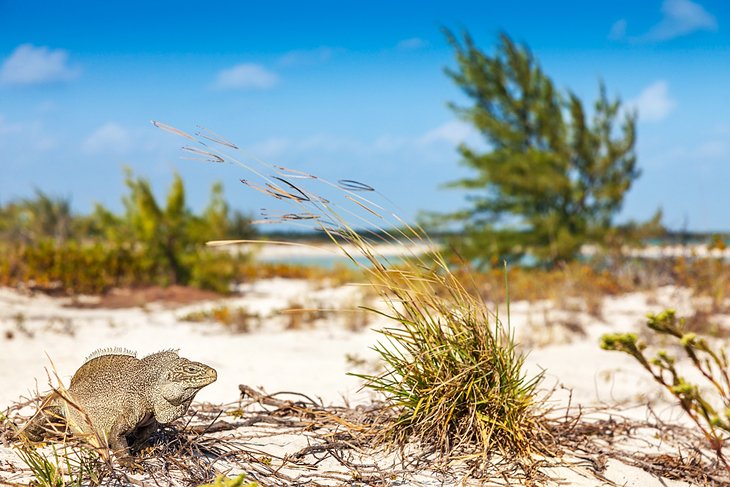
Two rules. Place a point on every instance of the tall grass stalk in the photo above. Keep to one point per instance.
(83, 460)
(453, 378)
(67, 466)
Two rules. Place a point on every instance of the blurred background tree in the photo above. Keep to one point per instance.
(32, 219)
(553, 177)
(162, 231)
(152, 242)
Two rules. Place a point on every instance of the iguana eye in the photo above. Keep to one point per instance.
(191, 369)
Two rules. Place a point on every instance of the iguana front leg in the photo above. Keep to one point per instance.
(42, 423)
(143, 433)
(120, 447)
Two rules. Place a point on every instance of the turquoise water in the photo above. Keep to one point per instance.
(328, 261)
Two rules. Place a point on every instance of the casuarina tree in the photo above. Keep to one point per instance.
(554, 173)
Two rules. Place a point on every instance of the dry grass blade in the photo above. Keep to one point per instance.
(171, 129)
(213, 137)
(203, 155)
(333, 445)
(453, 373)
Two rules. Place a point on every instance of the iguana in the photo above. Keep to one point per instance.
(123, 397)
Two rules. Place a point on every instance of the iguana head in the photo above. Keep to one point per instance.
(178, 380)
(190, 376)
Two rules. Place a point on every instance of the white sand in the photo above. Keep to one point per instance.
(303, 360)
(703, 251)
(314, 361)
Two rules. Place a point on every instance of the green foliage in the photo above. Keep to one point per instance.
(81, 268)
(456, 378)
(453, 379)
(223, 481)
(173, 236)
(213, 270)
(710, 414)
(240, 226)
(149, 244)
(551, 179)
(162, 231)
(68, 466)
(215, 219)
(41, 217)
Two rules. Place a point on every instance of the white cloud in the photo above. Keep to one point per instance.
(307, 57)
(29, 65)
(679, 18)
(653, 103)
(245, 76)
(618, 30)
(411, 44)
(443, 137)
(453, 132)
(110, 138)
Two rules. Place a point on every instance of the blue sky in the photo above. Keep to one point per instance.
(345, 90)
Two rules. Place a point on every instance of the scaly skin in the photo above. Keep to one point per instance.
(123, 396)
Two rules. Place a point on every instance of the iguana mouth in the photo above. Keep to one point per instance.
(200, 382)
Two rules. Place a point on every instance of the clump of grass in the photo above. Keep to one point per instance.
(74, 461)
(300, 317)
(223, 481)
(453, 378)
(238, 320)
(337, 275)
(454, 374)
(68, 465)
(708, 404)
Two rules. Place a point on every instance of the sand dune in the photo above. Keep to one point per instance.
(316, 358)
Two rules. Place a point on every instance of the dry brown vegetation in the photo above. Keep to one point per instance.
(309, 443)
(236, 319)
(456, 399)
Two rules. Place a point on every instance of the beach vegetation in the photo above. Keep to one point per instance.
(235, 319)
(68, 465)
(452, 377)
(704, 396)
(47, 247)
(553, 172)
(228, 481)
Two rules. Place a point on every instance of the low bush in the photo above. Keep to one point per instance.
(47, 247)
(238, 320)
(707, 404)
(453, 378)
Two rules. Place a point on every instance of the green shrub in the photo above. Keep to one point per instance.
(215, 271)
(454, 378)
(224, 481)
(700, 402)
(150, 244)
(452, 370)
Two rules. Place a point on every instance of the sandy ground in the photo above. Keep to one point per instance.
(315, 359)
